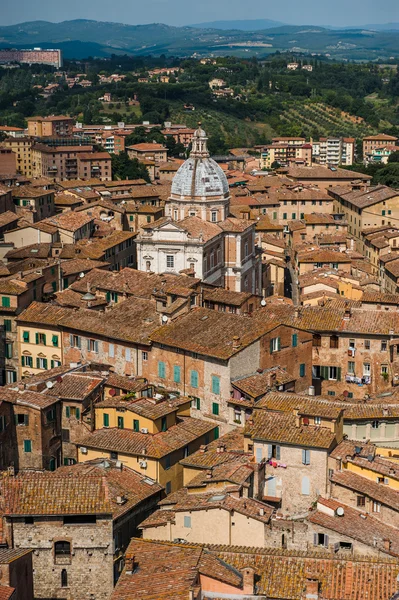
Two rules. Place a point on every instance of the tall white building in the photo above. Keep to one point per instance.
(197, 232)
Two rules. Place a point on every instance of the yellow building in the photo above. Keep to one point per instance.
(366, 208)
(39, 347)
(22, 147)
(148, 435)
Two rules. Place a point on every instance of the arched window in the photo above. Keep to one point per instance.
(62, 548)
(64, 578)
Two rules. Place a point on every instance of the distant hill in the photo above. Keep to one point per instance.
(246, 25)
(81, 38)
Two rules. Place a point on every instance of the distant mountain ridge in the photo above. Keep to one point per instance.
(242, 25)
(82, 37)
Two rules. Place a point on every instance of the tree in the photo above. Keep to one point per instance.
(275, 165)
(124, 167)
(388, 175)
(394, 157)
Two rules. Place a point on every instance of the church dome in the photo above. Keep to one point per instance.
(199, 175)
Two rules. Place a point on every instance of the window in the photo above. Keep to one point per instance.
(320, 539)
(144, 355)
(41, 339)
(164, 424)
(168, 487)
(215, 385)
(65, 435)
(330, 393)
(306, 457)
(214, 216)
(384, 369)
(41, 363)
(275, 345)
(360, 501)
(170, 261)
(367, 344)
(195, 403)
(352, 344)
(21, 419)
(62, 548)
(50, 415)
(376, 507)
(366, 369)
(317, 420)
(9, 350)
(194, 379)
(92, 346)
(7, 324)
(375, 425)
(75, 341)
(215, 408)
(302, 370)
(384, 345)
(285, 216)
(5, 302)
(113, 455)
(176, 374)
(111, 351)
(161, 369)
(332, 373)
(294, 340)
(317, 340)
(351, 367)
(120, 423)
(64, 578)
(27, 445)
(136, 425)
(334, 341)
(187, 522)
(25, 337)
(273, 451)
(106, 420)
(128, 355)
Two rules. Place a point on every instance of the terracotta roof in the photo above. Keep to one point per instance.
(259, 383)
(8, 217)
(71, 299)
(160, 567)
(122, 482)
(150, 408)
(146, 147)
(182, 501)
(365, 198)
(75, 386)
(6, 593)
(212, 333)
(319, 255)
(282, 428)
(79, 265)
(210, 456)
(27, 191)
(70, 220)
(357, 525)
(155, 445)
(49, 494)
(96, 249)
(27, 397)
(130, 384)
(362, 485)
(282, 574)
(320, 172)
(223, 296)
(8, 555)
(132, 320)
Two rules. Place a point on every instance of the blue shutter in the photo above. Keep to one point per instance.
(215, 384)
(302, 370)
(269, 451)
(258, 455)
(161, 369)
(278, 452)
(294, 340)
(194, 379)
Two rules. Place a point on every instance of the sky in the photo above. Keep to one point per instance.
(185, 12)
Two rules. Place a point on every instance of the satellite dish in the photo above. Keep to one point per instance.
(164, 319)
(263, 302)
(340, 511)
(49, 384)
(81, 275)
(112, 392)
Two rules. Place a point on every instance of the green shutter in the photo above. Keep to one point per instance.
(25, 336)
(194, 379)
(216, 433)
(52, 364)
(271, 346)
(44, 363)
(215, 384)
(77, 413)
(5, 302)
(302, 370)
(22, 361)
(55, 340)
(338, 373)
(7, 324)
(324, 372)
(120, 423)
(279, 344)
(136, 425)
(27, 445)
(108, 296)
(215, 408)
(37, 338)
(38, 363)
(161, 369)
(176, 374)
(44, 339)
(67, 412)
(294, 340)
(198, 403)
(106, 420)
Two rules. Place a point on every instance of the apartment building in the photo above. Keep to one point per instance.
(70, 163)
(8, 162)
(371, 142)
(33, 203)
(22, 148)
(54, 126)
(324, 177)
(148, 151)
(333, 151)
(285, 154)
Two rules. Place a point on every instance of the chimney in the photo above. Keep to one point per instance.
(236, 342)
(248, 576)
(312, 586)
(129, 564)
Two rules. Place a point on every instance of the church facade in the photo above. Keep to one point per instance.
(197, 232)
